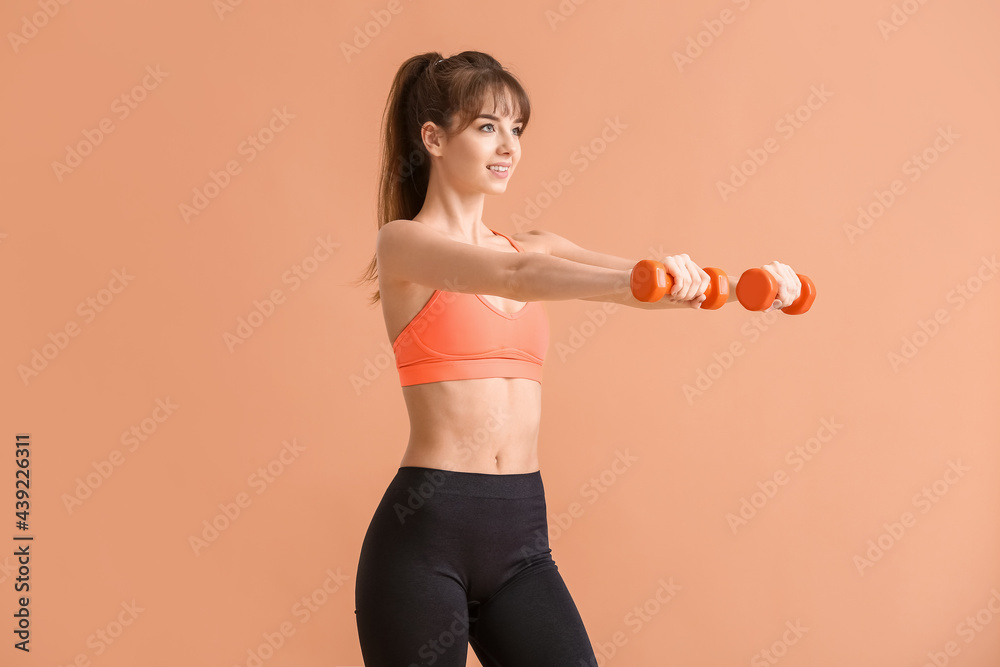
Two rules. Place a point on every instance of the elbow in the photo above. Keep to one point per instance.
(514, 279)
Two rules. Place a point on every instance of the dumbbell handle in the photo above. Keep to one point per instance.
(650, 281)
(756, 290)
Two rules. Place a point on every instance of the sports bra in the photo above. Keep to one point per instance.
(459, 336)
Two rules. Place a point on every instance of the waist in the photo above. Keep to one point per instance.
(482, 425)
(426, 481)
(489, 410)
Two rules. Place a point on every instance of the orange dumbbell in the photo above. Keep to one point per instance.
(651, 282)
(757, 288)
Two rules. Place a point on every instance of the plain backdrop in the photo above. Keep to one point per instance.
(188, 192)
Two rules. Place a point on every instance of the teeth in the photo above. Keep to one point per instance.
(499, 168)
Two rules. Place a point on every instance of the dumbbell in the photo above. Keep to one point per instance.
(650, 282)
(757, 288)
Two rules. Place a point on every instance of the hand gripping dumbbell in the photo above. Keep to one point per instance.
(651, 282)
(757, 288)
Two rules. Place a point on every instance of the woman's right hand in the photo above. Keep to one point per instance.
(690, 281)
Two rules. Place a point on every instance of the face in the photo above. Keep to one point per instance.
(489, 140)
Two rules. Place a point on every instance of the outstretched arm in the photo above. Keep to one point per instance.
(558, 246)
(409, 251)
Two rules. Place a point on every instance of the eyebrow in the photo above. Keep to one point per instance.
(486, 115)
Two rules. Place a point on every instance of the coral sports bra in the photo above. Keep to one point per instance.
(458, 336)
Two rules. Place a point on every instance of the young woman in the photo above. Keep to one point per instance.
(457, 550)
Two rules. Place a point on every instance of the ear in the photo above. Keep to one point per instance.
(433, 138)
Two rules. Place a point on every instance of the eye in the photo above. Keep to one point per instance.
(519, 130)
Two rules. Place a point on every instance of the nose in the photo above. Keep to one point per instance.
(507, 145)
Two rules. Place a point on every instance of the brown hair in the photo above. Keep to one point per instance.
(444, 92)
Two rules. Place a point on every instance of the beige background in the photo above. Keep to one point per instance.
(316, 373)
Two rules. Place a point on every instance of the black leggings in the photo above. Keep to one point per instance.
(458, 558)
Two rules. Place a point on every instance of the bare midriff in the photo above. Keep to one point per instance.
(484, 425)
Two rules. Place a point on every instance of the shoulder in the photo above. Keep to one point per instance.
(400, 232)
(393, 240)
(396, 226)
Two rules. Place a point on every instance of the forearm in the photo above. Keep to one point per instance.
(544, 277)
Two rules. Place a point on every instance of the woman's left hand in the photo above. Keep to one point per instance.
(789, 285)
